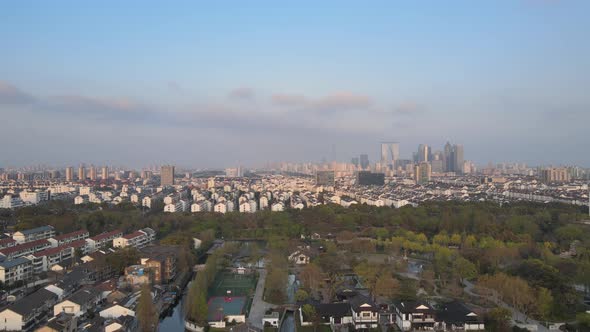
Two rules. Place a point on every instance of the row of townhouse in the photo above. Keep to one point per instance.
(24, 249)
(63, 239)
(361, 313)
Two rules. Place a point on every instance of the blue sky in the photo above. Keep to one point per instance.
(226, 82)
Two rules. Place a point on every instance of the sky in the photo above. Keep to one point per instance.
(222, 83)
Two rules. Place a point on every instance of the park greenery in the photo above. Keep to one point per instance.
(528, 255)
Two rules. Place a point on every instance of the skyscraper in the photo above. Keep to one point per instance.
(355, 161)
(167, 176)
(69, 174)
(424, 153)
(459, 160)
(81, 173)
(364, 161)
(389, 153)
(454, 159)
(105, 173)
(448, 158)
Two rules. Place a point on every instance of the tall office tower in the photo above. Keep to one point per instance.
(54, 174)
(92, 173)
(459, 160)
(448, 158)
(69, 174)
(424, 153)
(355, 161)
(422, 172)
(167, 176)
(81, 173)
(389, 152)
(104, 173)
(364, 161)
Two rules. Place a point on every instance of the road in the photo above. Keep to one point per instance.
(259, 307)
(516, 315)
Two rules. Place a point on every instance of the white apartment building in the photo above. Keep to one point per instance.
(220, 207)
(80, 199)
(138, 239)
(277, 207)
(11, 202)
(86, 190)
(34, 197)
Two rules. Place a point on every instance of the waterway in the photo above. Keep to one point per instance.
(175, 321)
(288, 323)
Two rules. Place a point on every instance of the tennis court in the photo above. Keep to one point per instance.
(222, 306)
(238, 284)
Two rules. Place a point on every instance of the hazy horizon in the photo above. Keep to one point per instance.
(228, 83)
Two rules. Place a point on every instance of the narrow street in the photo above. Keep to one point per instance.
(516, 315)
(259, 307)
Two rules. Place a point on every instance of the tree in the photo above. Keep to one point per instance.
(146, 311)
(583, 320)
(301, 295)
(310, 314)
(311, 276)
(386, 286)
(368, 272)
(544, 303)
(498, 319)
(465, 268)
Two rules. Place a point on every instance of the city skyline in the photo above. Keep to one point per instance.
(212, 77)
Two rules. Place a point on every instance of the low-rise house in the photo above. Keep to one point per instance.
(411, 316)
(365, 313)
(116, 311)
(300, 257)
(335, 314)
(60, 323)
(81, 199)
(456, 316)
(78, 303)
(271, 319)
(44, 260)
(28, 312)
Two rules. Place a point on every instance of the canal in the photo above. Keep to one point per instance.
(174, 321)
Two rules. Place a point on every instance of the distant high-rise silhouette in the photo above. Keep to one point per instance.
(81, 173)
(69, 174)
(389, 153)
(454, 158)
(364, 161)
(167, 175)
(424, 153)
